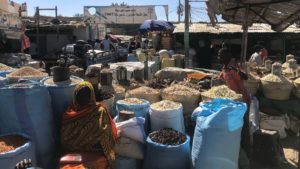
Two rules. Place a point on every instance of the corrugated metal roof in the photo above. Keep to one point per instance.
(222, 28)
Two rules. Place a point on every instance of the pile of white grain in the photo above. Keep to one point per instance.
(165, 105)
(222, 92)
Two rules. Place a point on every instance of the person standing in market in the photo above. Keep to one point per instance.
(259, 56)
(107, 44)
(234, 78)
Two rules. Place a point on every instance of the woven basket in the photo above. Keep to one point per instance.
(151, 97)
(252, 86)
(208, 98)
(275, 91)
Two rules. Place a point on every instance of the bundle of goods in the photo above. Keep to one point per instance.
(188, 97)
(222, 120)
(167, 148)
(201, 79)
(26, 108)
(292, 70)
(275, 86)
(175, 73)
(220, 92)
(296, 90)
(156, 83)
(132, 137)
(187, 84)
(147, 93)
(4, 70)
(15, 148)
(252, 84)
(286, 63)
(275, 123)
(26, 72)
(166, 114)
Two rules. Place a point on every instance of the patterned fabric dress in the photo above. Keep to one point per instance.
(89, 128)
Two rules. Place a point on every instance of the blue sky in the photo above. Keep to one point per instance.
(71, 7)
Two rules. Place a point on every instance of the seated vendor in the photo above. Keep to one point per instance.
(259, 56)
(87, 127)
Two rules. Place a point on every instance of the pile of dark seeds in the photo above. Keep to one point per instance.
(159, 83)
(167, 136)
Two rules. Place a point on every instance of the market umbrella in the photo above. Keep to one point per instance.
(278, 13)
(156, 25)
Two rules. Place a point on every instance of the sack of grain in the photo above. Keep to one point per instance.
(221, 92)
(287, 58)
(26, 72)
(276, 87)
(164, 54)
(167, 63)
(129, 148)
(277, 123)
(132, 128)
(147, 93)
(167, 114)
(188, 97)
(292, 70)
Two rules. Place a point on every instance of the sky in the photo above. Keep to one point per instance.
(71, 7)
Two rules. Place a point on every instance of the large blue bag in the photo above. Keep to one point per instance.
(10, 159)
(61, 95)
(217, 134)
(3, 82)
(160, 156)
(140, 110)
(26, 108)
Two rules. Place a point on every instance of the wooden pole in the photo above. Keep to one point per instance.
(245, 37)
(186, 34)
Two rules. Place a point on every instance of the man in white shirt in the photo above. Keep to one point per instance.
(256, 58)
(106, 43)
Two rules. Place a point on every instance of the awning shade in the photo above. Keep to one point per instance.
(278, 13)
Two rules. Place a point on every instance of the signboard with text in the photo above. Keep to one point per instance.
(120, 14)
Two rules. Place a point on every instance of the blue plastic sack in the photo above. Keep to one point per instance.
(62, 96)
(3, 82)
(159, 156)
(10, 159)
(26, 108)
(131, 58)
(217, 134)
(140, 110)
(4, 73)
